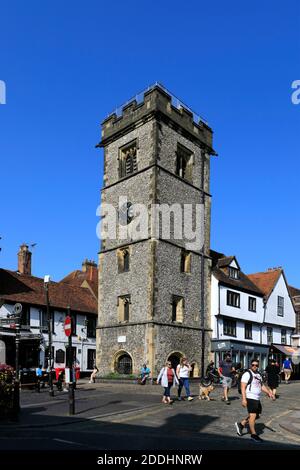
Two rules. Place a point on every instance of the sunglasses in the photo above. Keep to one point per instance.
(254, 365)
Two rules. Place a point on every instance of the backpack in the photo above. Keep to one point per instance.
(240, 378)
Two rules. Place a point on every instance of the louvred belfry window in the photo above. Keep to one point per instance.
(128, 159)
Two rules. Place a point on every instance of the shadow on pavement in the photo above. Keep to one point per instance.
(178, 432)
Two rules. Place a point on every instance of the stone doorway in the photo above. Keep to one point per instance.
(175, 357)
(124, 364)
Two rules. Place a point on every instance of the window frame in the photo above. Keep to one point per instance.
(269, 335)
(91, 328)
(248, 326)
(229, 327)
(253, 300)
(231, 295)
(124, 314)
(132, 145)
(280, 306)
(185, 262)
(178, 307)
(183, 154)
(233, 273)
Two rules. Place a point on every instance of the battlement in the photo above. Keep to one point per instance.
(155, 99)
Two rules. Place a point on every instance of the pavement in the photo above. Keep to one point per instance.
(132, 417)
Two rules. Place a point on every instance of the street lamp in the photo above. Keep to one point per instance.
(49, 318)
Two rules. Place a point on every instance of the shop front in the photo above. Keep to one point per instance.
(28, 352)
(241, 353)
(280, 352)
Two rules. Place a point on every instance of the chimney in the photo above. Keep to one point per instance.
(24, 260)
(91, 269)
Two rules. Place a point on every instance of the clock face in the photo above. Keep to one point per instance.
(126, 213)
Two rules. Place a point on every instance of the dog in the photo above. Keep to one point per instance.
(205, 391)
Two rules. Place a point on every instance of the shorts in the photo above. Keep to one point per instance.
(226, 382)
(254, 406)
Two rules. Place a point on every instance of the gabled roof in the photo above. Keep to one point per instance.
(294, 291)
(24, 288)
(81, 279)
(87, 278)
(220, 262)
(295, 294)
(267, 280)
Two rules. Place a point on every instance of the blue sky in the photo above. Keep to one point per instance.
(67, 64)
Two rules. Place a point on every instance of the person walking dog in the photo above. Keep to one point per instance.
(183, 372)
(168, 378)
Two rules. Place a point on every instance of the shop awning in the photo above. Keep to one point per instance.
(287, 350)
(228, 345)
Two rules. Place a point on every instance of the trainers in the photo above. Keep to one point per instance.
(239, 428)
(256, 438)
(179, 399)
(190, 398)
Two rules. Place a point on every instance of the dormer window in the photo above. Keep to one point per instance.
(234, 273)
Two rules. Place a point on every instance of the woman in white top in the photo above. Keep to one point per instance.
(183, 372)
(168, 379)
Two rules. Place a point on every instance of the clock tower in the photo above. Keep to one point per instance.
(154, 271)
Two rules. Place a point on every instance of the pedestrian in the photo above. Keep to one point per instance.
(39, 376)
(251, 388)
(145, 374)
(167, 378)
(60, 380)
(287, 369)
(226, 370)
(183, 371)
(210, 367)
(93, 375)
(39, 372)
(272, 371)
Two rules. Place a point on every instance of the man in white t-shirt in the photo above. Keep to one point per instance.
(251, 388)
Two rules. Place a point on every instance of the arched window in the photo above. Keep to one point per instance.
(128, 159)
(123, 256)
(184, 163)
(124, 364)
(124, 302)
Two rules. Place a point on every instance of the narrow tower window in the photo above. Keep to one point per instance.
(124, 308)
(185, 262)
(184, 163)
(123, 260)
(128, 159)
(177, 308)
